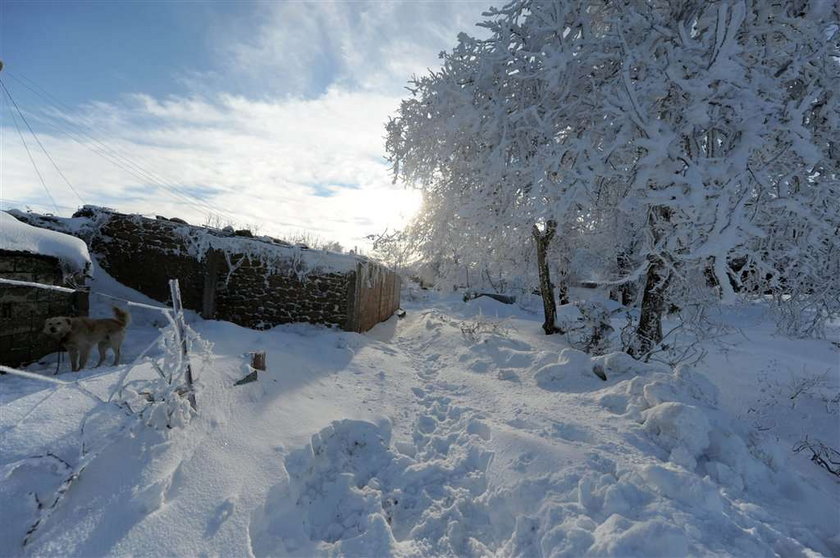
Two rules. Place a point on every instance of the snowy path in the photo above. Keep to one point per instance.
(633, 466)
(533, 455)
(420, 438)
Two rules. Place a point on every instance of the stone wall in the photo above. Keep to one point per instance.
(24, 309)
(145, 254)
(254, 282)
(256, 297)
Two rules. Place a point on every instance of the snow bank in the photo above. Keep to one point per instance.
(16, 236)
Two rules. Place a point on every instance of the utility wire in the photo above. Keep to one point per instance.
(113, 155)
(29, 153)
(83, 127)
(78, 127)
(28, 203)
(41, 145)
(113, 159)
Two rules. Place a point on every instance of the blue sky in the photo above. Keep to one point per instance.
(271, 112)
(99, 50)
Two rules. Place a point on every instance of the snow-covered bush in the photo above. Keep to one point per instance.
(587, 326)
(164, 402)
(597, 327)
(826, 457)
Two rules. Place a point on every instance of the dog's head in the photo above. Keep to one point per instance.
(57, 327)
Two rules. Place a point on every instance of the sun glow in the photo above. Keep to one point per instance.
(408, 203)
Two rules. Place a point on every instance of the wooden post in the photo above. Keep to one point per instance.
(181, 332)
(258, 360)
(257, 365)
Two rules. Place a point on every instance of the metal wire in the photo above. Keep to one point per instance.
(41, 145)
(26, 146)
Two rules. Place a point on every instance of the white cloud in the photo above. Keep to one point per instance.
(302, 48)
(257, 162)
(287, 134)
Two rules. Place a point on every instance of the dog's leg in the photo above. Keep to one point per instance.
(84, 353)
(73, 353)
(116, 346)
(103, 349)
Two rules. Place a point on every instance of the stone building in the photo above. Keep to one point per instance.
(29, 255)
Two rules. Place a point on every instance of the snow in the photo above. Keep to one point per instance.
(198, 241)
(460, 430)
(16, 236)
(277, 257)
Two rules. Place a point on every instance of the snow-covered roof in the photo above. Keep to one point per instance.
(16, 236)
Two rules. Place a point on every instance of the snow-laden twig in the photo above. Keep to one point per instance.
(826, 457)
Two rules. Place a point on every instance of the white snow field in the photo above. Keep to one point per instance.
(459, 430)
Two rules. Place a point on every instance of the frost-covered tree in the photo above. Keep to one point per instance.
(392, 248)
(704, 133)
(473, 137)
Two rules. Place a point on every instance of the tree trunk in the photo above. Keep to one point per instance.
(562, 289)
(649, 332)
(625, 293)
(542, 240)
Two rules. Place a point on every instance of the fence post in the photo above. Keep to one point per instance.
(258, 360)
(257, 365)
(181, 332)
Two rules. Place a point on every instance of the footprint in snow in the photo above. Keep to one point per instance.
(220, 515)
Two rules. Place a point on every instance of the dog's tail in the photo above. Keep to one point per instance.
(122, 316)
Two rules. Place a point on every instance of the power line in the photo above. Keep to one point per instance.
(113, 155)
(41, 145)
(115, 160)
(29, 153)
(81, 130)
(78, 134)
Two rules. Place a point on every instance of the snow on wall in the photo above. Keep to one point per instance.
(276, 256)
(16, 236)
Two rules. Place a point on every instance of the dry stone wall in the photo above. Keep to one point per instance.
(255, 297)
(145, 254)
(257, 283)
(23, 309)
